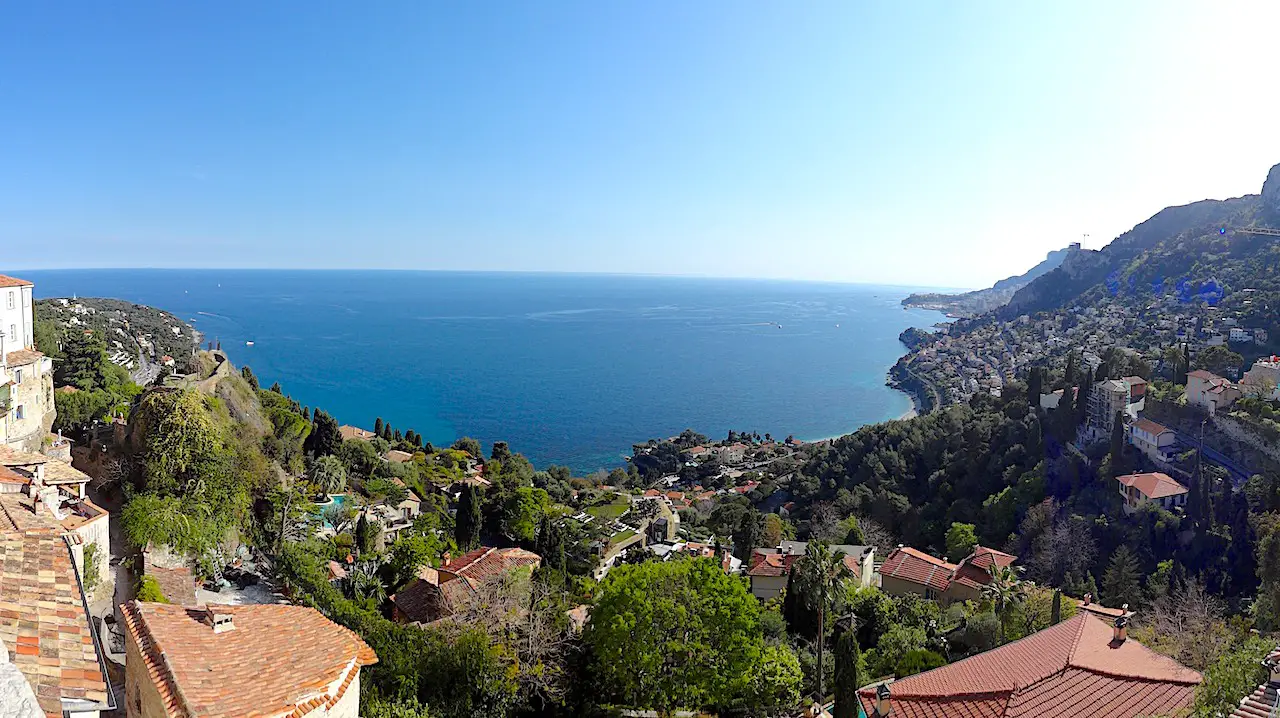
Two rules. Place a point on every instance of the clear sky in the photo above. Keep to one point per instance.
(924, 143)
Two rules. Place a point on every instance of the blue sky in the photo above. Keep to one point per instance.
(923, 143)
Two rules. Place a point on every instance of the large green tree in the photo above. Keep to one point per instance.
(961, 538)
(665, 635)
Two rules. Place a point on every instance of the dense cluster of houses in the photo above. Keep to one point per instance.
(964, 360)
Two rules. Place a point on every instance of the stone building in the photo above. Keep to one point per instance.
(26, 375)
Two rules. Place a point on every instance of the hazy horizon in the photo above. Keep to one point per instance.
(913, 146)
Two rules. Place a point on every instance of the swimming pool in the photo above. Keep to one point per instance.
(334, 500)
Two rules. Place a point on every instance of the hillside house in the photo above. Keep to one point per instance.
(907, 570)
(1157, 442)
(1210, 391)
(1156, 487)
(438, 593)
(768, 568)
(250, 660)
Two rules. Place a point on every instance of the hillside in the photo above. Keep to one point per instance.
(984, 300)
(138, 337)
(1179, 251)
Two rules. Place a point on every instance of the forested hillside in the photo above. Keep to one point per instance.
(1180, 250)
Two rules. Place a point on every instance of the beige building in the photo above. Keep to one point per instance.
(1263, 378)
(26, 375)
(253, 661)
(769, 568)
(1210, 391)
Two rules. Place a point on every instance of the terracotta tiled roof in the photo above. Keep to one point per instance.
(1150, 427)
(7, 281)
(433, 596)
(60, 472)
(7, 476)
(277, 660)
(13, 457)
(1258, 704)
(1071, 669)
(22, 357)
(984, 558)
(43, 621)
(177, 584)
(486, 562)
(1154, 485)
(1202, 374)
(397, 456)
(354, 432)
(770, 564)
(918, 567)
(18, 513)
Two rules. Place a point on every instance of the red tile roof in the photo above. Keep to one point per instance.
(7, 281)
(1150, 427)
(918, 567)
(770, 564)
(426, 599)
(1071, 669)
(1258, 704)
(23, 357)
(277, 660)
(1154, 485)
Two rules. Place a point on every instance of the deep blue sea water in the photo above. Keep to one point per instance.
(570, 369)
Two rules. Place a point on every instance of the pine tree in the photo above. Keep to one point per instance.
(747, 535)
(247, 373)
(847, 679)
(1121, 582)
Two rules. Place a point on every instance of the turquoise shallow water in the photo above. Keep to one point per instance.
(570, 369)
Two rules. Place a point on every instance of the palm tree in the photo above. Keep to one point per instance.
(819, 574)
(329, 475)
(1005, 590)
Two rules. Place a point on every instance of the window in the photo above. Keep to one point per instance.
(19, 412)
(17, 376)
(13, 333)
(11, 300)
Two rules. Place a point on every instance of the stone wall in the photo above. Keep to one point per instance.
(1240, 432)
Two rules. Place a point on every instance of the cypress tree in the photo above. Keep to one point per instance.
(1082, 401)
(377, 426)
(1117, 444)
(847, 679)
(1035, 383)
(1055, 615)
(1069, 374)
(396, 437)
(466, 527)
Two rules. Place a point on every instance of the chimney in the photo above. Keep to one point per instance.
(1088, 599)
(448, 558)
(217, 618)
(1120, 631)
(884, 706)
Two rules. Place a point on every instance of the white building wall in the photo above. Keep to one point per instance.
(16, 318)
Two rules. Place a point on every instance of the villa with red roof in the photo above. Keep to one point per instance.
(1080, 667)
(1210, 391)
(438, 593)
(1156, 488)
(908, 570)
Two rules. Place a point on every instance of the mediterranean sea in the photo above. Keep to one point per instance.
(569, 369)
